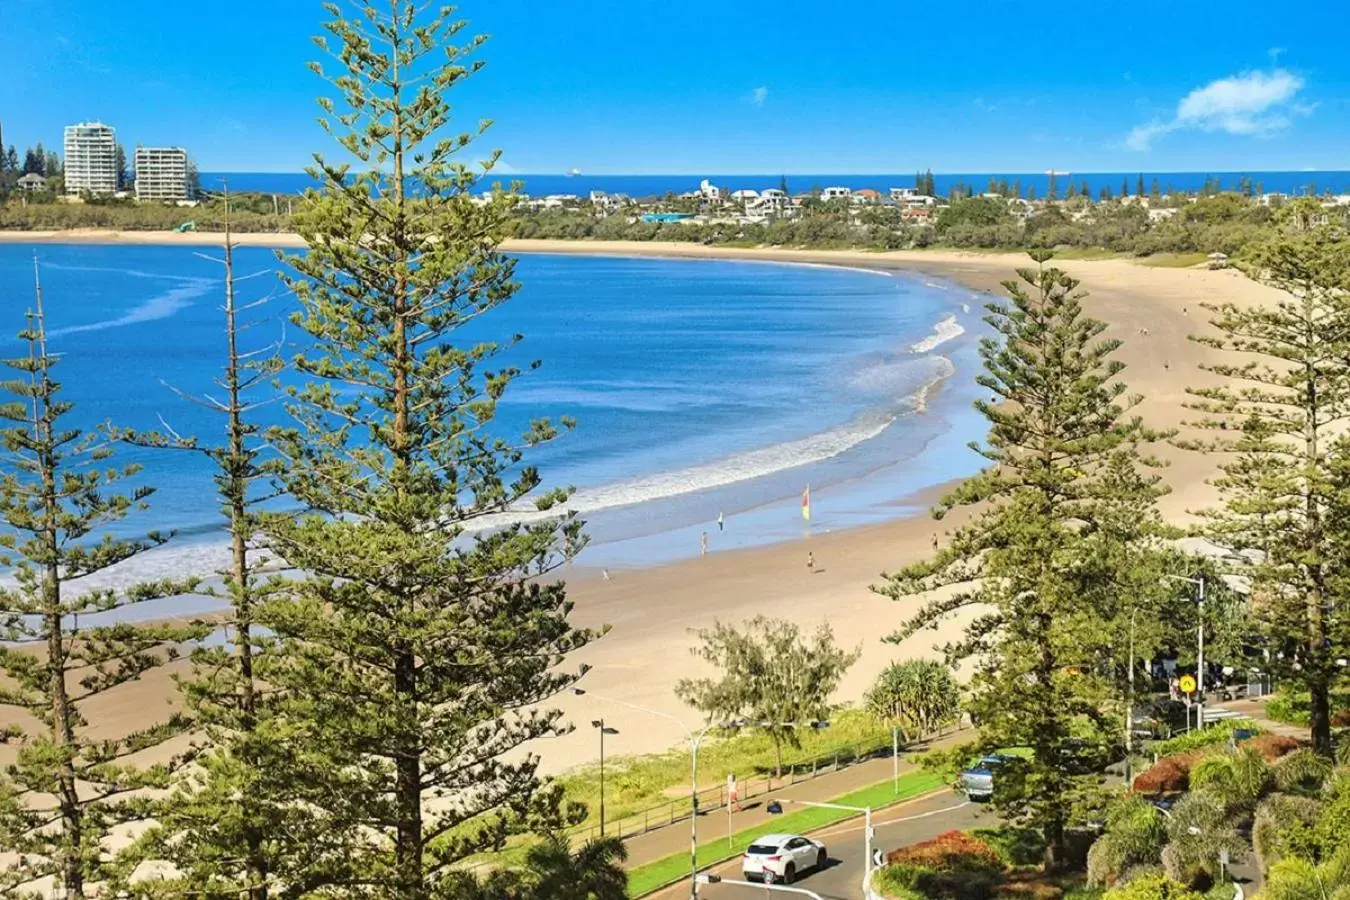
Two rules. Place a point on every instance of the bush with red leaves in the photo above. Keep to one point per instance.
(952, 865)
(1169, 774)
(1271, 747)
(945, 851)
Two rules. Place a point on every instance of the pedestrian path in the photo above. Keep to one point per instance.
(717, 825)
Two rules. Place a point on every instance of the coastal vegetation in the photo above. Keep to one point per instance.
(62, 493)
(1066, 522)
(770, 677)
(362, 726)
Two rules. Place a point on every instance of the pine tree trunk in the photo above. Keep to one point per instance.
(1319, 716)
(256, 864)
(63, 726)
(408, 788)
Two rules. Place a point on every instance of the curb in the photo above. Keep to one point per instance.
(721, 859)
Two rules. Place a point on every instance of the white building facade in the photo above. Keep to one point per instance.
(161, 173)
(91, 159)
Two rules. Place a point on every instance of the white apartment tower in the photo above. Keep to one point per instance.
(91, 158)
(161, 173)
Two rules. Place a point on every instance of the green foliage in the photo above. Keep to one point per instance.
(1284, 826)
(1135, 835)
(918, 695)
(425, 645)
(769, 675)
(634, 783)
(1301, 771)
(1199, 826)
(230, 826)
(1066, 522)
(1237, 781)
(1292, 707)
(67, 785)
(1219, 734)
(1279, 418)
(1152, 887)
(1016, 847)
(952, 866)
(646, 878)
(553, 870)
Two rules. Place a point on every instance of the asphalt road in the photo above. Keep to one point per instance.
(908, 823)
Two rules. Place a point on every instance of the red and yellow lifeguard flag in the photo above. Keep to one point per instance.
(806, 503)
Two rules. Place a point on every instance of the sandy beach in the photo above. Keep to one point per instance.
(650, 611)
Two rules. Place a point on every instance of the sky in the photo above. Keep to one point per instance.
(730, 86)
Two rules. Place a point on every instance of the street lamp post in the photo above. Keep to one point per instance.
(599, 725)
(695, 740)
(1200, 653)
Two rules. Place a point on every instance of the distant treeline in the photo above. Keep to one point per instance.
(250, 213)
(1224, 223)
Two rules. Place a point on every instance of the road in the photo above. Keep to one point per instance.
(907, 823)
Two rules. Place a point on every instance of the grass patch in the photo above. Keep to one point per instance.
(647, 878)
(637, 783)
(1173, 260)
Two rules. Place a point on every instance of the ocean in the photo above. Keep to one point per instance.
(700, 387)
(658, 185)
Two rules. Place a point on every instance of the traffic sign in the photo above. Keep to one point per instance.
(1187, 684)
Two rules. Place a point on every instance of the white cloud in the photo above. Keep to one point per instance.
(1249, 103)
(759, 95)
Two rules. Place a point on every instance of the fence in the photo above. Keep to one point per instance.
(714, 798)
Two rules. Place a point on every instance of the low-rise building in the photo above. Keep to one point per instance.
(744, 196)
(709, 191)
(32, 183)
(866, 195)
(161, 174)
(836, 193)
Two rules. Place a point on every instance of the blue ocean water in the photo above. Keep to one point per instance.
(659, 185)
(700, 387)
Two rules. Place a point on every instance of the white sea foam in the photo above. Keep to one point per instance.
(160, 306)
(943, 332)
(208, 556)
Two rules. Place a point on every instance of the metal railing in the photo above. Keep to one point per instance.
(663, 815)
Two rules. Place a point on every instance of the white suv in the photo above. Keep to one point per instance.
(782, 857)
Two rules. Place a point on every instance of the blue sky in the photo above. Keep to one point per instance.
(733, 86)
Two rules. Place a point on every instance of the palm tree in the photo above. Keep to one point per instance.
(594, 871)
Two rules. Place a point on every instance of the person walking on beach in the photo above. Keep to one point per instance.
(810, 561)
(720, 525)
(703, 544)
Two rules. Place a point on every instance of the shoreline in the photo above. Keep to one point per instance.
(652, 609)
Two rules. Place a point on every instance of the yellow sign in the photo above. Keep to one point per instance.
(1187, 684)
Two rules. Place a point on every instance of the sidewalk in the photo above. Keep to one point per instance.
(712, 826)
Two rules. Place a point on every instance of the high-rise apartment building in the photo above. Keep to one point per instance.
(161, 173)
(91, 158)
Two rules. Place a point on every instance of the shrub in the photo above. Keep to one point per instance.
(1170, 774)
(1152, 887)
(1200, 825)
(1292, 879)
(1016, 847)
(1283, 826)
(1301, 771)
(1238, 781)
(1271, 747)
(952, 866)
(1215, 735)
(1106, 861)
